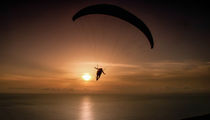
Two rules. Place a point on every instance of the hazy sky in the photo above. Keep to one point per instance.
(43, 51)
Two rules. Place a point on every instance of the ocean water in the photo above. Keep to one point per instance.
(101, 107)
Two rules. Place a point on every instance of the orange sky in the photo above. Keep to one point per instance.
(44, 51)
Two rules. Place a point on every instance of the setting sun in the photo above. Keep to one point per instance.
(86, 77)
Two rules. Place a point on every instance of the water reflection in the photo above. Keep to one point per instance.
(86, 109)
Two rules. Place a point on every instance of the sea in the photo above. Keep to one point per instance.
(102, 107)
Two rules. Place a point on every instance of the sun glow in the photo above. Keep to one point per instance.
(86, 77)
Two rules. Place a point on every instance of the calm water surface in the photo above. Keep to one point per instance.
(102, 107)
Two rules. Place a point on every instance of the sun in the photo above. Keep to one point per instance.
(86, 76)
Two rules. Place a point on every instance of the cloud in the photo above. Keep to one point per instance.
(110, 64)
(167, 76)
(154, 77)
(14, 65)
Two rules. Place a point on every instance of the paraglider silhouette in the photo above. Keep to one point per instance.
(118, 12)
(99, 72)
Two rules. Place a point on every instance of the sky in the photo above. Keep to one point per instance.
(43, 51)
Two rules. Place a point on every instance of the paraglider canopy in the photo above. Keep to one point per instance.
(118, 12)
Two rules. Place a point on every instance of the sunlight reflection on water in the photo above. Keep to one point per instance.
(86, 109)
(101, 107)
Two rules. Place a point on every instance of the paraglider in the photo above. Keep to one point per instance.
(99, 72)
(120, 13)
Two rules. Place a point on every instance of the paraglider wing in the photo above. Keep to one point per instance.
(116, 12)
